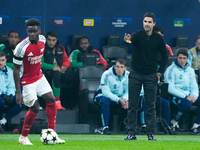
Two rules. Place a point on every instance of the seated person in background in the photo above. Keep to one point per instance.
(9, 46)
(163, 108)
(160, 31)
(7, 93)
(183, 87)
(77, 56)
(113, 88)
(54, 62)
(194, 57)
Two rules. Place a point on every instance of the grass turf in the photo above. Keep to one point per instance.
(101, 142)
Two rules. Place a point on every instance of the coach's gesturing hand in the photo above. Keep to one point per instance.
(127, 38)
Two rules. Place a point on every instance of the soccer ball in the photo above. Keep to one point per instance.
(48, 137)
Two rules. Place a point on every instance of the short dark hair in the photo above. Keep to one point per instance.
(52, 33)
(83, 37)
(2, 54)
(183, 52)
(158, 29)
(33, 22)
(13, 31)
(121, 61)
(150, 14)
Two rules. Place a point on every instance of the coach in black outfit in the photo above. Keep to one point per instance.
(146, 47)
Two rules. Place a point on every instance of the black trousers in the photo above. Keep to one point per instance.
(69, 77)
(149, 82)
(69, 84)
(53, 76)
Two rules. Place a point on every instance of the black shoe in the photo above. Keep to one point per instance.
(106, 130)
(195, 130)
(102, 130)
(130, 137)
(151, 137)
(98, 130)
(169, 130)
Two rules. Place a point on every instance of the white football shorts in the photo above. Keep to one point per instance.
(31, 91)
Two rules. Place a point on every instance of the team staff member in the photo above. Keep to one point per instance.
(7, 93)
(9, 45)
(183, 87)
(113, 89)
(77, 56)
(146, 47)
(194, 58)
(54, 62)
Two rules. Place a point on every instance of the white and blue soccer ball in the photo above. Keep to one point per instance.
(48, 137)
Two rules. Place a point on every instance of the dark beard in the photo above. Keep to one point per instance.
(89, 49)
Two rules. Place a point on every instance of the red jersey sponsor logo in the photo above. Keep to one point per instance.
(35, 60)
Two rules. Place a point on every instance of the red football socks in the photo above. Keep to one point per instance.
(51, 114)
(28, 121)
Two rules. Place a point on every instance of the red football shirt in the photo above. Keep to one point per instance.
(29, 56)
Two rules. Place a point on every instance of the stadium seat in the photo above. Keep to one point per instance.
(90, 59)
(128, 61)
(114, 40)
(170, 60)
(3, 37)
(114, 50)
(182, 41)
(74, 44)
(89, 76)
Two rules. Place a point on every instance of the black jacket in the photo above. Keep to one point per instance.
(49, 56)
(146, 51)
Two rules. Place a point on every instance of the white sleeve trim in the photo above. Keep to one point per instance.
(18, 62)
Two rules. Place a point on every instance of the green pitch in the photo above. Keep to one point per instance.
(104, 142)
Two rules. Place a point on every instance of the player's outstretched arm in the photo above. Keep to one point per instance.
(19, 98)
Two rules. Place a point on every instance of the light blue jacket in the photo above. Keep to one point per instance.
(113, 86)
(7, 85)
(181, 81)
